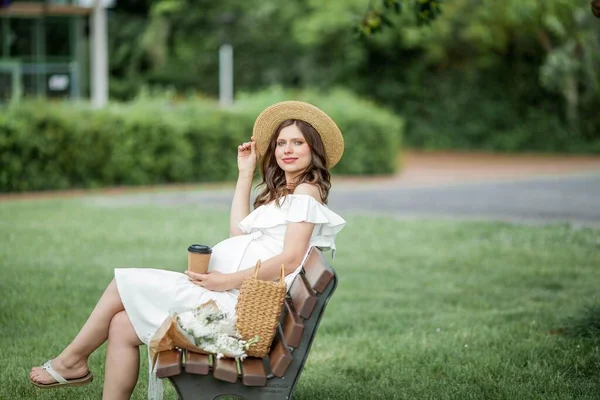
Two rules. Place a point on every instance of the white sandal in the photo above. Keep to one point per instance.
(60, 381)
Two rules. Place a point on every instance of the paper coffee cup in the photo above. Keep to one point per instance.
(198, 258)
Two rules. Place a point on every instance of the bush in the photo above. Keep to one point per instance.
(67, 145)
(487, 110)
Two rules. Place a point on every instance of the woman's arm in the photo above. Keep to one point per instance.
(240, 205)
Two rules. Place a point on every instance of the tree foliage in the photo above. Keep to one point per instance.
(377, 16)
(485, 73)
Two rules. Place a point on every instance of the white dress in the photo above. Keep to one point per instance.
(150, 295)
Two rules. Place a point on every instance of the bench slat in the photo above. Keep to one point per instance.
(302, 296)
(253, 372)
(196, 363)
(317, 273)
(168, 363)
(293, 327)
(225, 369)
(280, 357)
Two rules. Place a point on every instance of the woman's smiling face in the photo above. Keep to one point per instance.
(292, 153)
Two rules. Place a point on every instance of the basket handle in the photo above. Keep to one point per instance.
(257, 267)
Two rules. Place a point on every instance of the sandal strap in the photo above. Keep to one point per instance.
(47, 367)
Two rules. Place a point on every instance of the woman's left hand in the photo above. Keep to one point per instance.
(213, 280)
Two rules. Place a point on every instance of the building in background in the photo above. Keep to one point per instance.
(45, 51)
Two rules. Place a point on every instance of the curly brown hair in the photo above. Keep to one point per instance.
(273, 177)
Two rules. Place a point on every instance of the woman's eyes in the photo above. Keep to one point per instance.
(297, 142)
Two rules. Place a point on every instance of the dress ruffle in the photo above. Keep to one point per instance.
(297, 208)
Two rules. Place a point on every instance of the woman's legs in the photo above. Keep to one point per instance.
(72, 362)
(122, 359)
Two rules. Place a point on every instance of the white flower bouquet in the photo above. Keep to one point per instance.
(205, 329)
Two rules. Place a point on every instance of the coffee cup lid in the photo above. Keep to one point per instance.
(200, 248)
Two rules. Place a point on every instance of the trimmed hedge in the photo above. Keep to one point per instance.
(65, 145)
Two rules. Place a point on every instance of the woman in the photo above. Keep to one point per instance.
(298, 143)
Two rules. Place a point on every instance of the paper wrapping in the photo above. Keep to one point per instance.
(170, 335)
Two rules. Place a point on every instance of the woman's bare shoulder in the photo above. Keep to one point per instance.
(309, 190)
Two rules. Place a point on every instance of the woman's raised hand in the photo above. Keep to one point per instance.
(246, 158)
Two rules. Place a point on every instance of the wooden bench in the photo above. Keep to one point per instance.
(198, 376)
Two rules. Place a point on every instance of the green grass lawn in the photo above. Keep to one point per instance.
(424, 309)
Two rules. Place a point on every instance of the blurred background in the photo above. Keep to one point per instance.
(167, 75)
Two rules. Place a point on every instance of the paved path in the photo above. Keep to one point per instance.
(522, 188)
(573, 198)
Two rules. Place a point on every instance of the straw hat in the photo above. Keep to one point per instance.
(273, 116)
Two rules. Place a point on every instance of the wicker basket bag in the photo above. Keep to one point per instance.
(258, 308)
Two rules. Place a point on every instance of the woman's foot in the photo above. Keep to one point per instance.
(67, 371)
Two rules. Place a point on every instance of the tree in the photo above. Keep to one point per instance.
(596, 8)
(562, 33)
(378, 16)
(483, 66)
